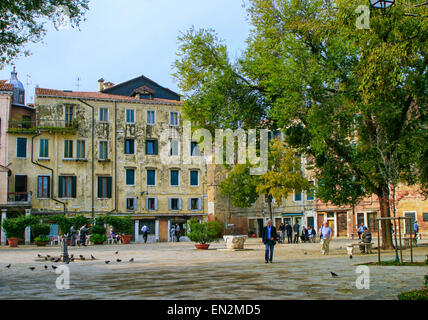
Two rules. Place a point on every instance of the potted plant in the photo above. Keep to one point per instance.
(202, 233)
(125, 228)
(14, 229)
(40, 231)
(98, 234)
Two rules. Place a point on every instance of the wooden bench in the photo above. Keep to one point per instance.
(407, 242)
(368, 246)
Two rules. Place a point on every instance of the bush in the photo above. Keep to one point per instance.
(98, 238)
(121, 225)
(202, 232)
(80, 221)
(98, 229)
(40, 230)
(15, 227)
(41, 239)
(63, 223)
(416, 294)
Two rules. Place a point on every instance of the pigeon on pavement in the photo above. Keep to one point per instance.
(132, 260)
(118, 260)
(8, 266)
(334, 275)
(54, 267)
(107, 262)
(32, 268)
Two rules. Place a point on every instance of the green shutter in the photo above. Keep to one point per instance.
(60, 187)
(100, 187)
(74, 187)
(109, 185)
(155, 147)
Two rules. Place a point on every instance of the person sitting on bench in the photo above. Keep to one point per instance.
(366, 238)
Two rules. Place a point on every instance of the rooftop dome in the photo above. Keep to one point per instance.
(18, 88)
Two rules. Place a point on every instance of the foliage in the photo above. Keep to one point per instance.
(41, 239)
(24, 22)
(65, 223)
(121, 225)
(40, 230)
(416, 294)
(98, 229)
(216, 228)
(355, 100)
(15, 227)
(98, 238)
(204, 232)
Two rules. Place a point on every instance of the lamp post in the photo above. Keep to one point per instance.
(381, 4)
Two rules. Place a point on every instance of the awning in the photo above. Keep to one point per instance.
(292, 214)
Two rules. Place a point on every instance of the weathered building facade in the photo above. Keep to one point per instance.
(98, 153)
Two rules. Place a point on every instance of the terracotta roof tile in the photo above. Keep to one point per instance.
(96, 96)
(5, 86)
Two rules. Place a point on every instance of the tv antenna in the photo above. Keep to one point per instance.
(78, 83)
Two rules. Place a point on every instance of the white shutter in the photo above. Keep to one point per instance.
(135, 204)
(169, 204)
(190, 204)
(147, 204)
(156, 204)
(199, 204)
(179, 204)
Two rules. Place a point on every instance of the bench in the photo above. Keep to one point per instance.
(407, 242)
(368, 247)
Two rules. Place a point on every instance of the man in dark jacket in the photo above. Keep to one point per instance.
(296, 229)
(269, 236)
(289, 233)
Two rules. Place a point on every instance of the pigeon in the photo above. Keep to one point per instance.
(92, 257)
(72, 259)
(32, 268)
(71, 256)
(54, 267)
(8, 267)
(334, 275)
(83, 258)
(56, 260)
(39, 255)
(118, 260)
(46, 267)
(107, 262)
(117, 252)
(350, 257)
(305, 253)
(48, 256)
(132, 260)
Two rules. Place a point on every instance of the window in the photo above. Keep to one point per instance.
(103, 114)
(130, 116)
(151, 177)
(103, 150)
(151, 147)
(195, 204)
(67, 187)
(175, 204)
(68, 149)
(194, 149)
(194, 178)
(151, 117)
(131, 204)
(81, 149)
(311, 193)
(21, 147)
(425, 215)
(175, 178)
(104, 187)
(44, 148)
(173, 118)
(297, 197)
(129, 146)
(130, 177)
(43, 187)
(69, 116)
(173, 148)
(151, 204)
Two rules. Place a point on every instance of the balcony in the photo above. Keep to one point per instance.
(28, 126)
(19, 198)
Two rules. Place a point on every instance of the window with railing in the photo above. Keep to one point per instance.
(103, 150)
(43, 187)
(81, 149)
(69, 116)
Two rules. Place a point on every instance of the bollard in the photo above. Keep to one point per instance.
(65, 257)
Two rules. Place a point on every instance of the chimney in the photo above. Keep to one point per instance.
(101, 85)
(108, 85)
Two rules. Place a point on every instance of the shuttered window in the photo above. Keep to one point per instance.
(21, 147)
(44, 148)
(151, 147)
(130, 177)
(151, 177)
(67, 187)
(104, 187)
(194, 178)
(43, 187)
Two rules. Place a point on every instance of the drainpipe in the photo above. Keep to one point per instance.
(93, 155)
(47, 168)
(115, 159)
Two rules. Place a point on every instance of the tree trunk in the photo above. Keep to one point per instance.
(386, 224)
(270, 208)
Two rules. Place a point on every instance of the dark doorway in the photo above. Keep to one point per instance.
(261, 226)
(21, 189)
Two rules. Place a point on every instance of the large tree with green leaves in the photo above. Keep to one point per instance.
(283, 176)
(355, 99)
(23, 22)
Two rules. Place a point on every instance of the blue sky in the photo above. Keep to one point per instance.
(124, 39)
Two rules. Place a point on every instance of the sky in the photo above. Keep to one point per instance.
(122, 40)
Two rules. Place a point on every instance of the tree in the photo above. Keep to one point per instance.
(22, 22)
(283, 176)
(353, 99)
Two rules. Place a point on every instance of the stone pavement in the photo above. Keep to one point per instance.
(178, 271)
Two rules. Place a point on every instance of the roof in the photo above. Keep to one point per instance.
(4, 86)
(41, 92)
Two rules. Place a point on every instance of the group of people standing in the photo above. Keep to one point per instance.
(306, 235)
(175, 233)
(270, 237)
(82, 235)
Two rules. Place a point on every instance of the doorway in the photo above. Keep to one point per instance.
(21, 189)
(409, 224)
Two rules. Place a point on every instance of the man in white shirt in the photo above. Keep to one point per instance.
(325, 235)
(145, 230)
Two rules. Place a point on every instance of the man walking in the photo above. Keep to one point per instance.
(325, 236)
(416, 229)
(296, 229)
(145, 230)
(269, 235)
(177, 233)
(83, 232)
(282, 229)
(289, 233)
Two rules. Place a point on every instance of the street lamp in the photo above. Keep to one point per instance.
(381, 4)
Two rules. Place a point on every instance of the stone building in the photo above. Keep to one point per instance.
(116, 151)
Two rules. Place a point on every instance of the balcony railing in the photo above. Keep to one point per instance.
(19, 198)
(42, 125)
